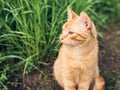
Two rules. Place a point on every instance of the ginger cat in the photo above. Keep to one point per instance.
(77, 64)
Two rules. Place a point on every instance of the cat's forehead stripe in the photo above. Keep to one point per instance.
(67, 25)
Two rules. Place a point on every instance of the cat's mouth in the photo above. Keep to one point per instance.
(69, 43)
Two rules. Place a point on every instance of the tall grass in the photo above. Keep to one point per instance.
(30, 30)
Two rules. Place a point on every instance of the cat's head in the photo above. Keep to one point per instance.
(78, 30)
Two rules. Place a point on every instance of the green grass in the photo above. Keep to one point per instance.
(30, 30)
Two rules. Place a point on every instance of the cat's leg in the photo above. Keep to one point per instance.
(99, 83)
(84, 85)
(68, 80)
(57, 72)
(85, 82)
(69, 85)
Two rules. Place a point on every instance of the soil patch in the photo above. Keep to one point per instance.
(110, 58)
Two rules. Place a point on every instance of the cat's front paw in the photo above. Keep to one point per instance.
(82, 88)
(70, 88)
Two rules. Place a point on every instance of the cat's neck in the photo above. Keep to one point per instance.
(82, 49)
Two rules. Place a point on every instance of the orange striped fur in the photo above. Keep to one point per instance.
(77, 62)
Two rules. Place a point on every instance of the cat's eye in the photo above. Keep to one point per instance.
(70, 32)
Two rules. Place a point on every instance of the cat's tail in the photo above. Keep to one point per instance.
(99, 83)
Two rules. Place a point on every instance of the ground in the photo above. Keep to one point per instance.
(109, 63)
(110, 58)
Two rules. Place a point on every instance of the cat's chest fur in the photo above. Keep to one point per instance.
(76, 63)
(75, 58)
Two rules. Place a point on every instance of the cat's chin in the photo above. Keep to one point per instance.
(71, 45)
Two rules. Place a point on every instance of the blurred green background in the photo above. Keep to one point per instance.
(29, 31)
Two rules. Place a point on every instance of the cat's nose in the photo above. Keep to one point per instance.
(61, 37)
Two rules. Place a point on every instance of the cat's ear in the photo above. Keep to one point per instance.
(86, 22)
(71, 14)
